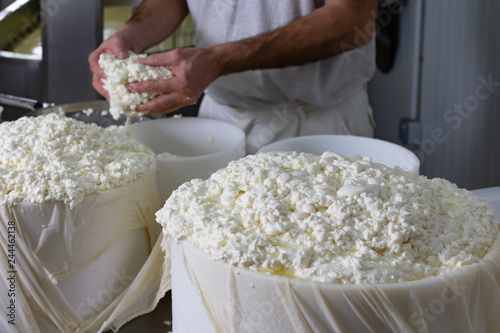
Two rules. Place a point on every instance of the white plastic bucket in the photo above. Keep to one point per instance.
(202, 147)
(387, 153)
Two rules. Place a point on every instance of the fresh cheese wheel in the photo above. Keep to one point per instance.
(77, 206)
(282, 241)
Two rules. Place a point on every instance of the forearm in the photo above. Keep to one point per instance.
(336, 27)
(152, 22)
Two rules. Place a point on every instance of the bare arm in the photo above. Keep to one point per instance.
(336, 27)
(152, 22)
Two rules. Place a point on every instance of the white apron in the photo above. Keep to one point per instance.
(266, 125)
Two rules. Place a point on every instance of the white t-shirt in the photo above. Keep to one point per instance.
(323, 83)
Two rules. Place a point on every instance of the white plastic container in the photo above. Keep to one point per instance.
(490, 193)
(380, 151)
(76, 262)
(202, 147)
(211, 296)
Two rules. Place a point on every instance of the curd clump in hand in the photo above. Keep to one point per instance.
(120, 72)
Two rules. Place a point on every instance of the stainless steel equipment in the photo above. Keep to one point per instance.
(89, 111)
(61, 73)
(20, 73)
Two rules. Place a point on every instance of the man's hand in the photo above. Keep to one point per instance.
(193, 68)
(152, 22)
(114, 45)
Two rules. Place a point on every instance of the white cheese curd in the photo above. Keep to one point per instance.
(330, 218)
(88, 112)
(54, 158)
(120, 72)
(166, 154)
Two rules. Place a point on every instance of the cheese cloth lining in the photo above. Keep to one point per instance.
(53, 243)
(239, 300)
